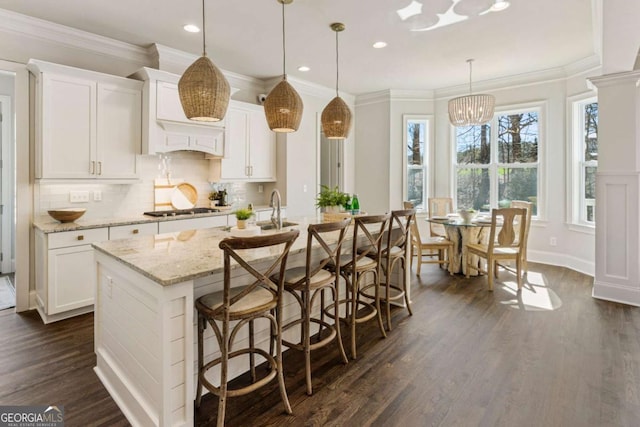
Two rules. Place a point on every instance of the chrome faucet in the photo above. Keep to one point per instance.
(276, 218)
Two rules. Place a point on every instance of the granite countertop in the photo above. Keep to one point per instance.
(172, 258)
(47, 224)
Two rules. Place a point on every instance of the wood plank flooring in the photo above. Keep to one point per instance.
(553, 356)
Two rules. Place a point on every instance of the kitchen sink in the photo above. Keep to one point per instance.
(268, 225)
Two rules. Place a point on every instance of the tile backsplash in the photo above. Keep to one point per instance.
(125, 200)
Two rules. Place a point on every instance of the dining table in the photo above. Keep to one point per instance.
(461, 233)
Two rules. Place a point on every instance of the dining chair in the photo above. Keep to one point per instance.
(392, 256)
(306, 282)
(506, 242)
(439, 206)
(368, 233)
(428, 247)
(244, 304)
(529, 207)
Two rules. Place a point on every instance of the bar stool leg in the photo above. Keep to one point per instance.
(321, 315)
(336, 295)
(252, 358)
(224, 361)
(283, 390)
(354, 309)
(306, 315)
(201, 326)
(404, 286)
(378, 309)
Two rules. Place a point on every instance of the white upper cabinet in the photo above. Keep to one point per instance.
(88, 124)
(165, 127)
(250, 145)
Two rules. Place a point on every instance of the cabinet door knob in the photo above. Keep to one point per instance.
(81, 237)
(135, 231)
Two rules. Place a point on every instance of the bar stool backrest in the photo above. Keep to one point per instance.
(231, 247)
(371, 230)
(403, 221)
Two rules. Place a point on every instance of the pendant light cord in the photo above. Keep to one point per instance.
(470, 61)
(284, 47)
(337, 66)
(204, 38)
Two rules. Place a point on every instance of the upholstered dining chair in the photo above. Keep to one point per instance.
(506, 242)
(529, 207)
(306, 283)
(227, 311)
(428, 247)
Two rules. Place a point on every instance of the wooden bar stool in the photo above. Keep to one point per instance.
(368, 233)
(307, 282)
(393, 254)
(244, 304)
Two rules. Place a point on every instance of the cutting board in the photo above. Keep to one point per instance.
(173, 193)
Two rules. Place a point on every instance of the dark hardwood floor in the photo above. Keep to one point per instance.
(551, 356)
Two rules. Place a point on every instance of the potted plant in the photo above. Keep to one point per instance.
(242, 215)
(331, 199)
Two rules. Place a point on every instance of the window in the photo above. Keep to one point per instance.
(416, 134)
(585, 155)
(498, 162)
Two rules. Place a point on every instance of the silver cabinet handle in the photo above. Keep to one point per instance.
(92, 167)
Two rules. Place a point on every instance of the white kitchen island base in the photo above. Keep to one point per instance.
(144, 345)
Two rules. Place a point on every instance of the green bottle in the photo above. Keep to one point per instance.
(355, 205)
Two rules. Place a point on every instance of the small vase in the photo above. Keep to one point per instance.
(242, 224)
(332, 209)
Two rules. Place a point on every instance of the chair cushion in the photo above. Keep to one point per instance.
(499, 251)
(293, 275)
(252, 301)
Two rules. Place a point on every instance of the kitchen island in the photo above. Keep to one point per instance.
(145, 325)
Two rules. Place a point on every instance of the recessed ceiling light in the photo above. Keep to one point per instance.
(303, 68)
(499, 5)
(414, 8)
(190, 28)
(379, 45)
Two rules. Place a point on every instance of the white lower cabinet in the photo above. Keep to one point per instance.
(65, 272)
(133, 230)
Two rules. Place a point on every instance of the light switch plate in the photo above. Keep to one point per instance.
(78, 196)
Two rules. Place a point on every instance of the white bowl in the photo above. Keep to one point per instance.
(466, 215)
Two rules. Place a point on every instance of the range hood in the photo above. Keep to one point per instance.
(165, 128)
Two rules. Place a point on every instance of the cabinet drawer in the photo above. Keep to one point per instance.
(133, 230)
(192, 224)
(78, 237)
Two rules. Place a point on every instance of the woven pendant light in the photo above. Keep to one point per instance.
(204, 91)
(336, 116)
(283, 106)
(471, 110)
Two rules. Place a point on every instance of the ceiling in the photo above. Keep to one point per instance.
(245, 36)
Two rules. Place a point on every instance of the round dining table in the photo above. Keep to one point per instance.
(461, 233)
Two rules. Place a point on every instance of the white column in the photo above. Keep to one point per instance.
(618, 189)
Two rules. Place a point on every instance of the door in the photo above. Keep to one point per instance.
(262, 148)
(234, 163)
(6, 185)
(331, 162)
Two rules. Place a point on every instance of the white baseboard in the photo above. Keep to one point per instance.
(563, 260)
(616, 293)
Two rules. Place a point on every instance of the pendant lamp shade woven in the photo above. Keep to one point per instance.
(471, 110)
(336, 119)
(204, 91)
(336, 116)
(283, 108)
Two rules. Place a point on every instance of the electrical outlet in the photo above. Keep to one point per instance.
(97, 196)
(260, 188)
(553, 241)
(78, 196)
(304, 188)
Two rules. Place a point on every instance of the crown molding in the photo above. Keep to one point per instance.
(382, 96)
(582, 66)
(626, 77)
(38, 29)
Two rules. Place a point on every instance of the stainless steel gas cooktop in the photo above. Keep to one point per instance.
(177, 212)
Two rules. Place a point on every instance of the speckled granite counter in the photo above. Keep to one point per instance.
(47, 224)
(171, 258)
